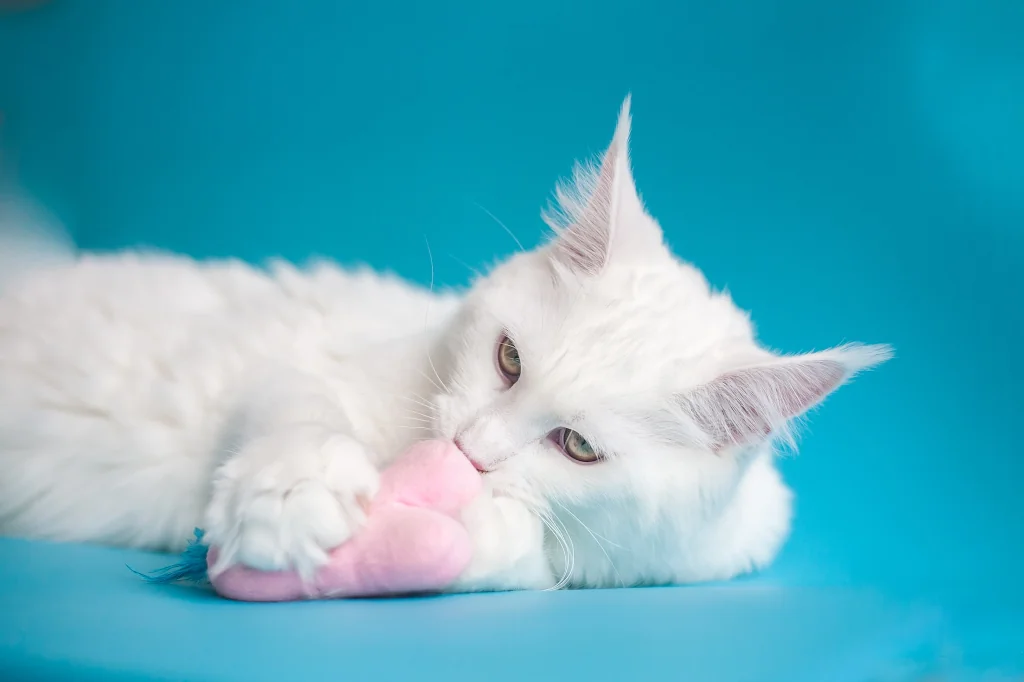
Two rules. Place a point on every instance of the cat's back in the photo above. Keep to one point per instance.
(165, 339)
(128, 298)
(120, 370)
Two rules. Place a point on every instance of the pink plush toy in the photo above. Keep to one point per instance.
(413, 540)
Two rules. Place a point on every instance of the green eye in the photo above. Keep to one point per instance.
(508, 360)
(575, 446)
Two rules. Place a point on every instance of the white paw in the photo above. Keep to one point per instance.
(284, 501)
(508, 547)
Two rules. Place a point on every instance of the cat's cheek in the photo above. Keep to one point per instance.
(443, 422)
(451, 411)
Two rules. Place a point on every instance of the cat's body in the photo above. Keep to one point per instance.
(124, 375)
(144, 395)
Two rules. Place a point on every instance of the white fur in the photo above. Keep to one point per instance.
(143, 394)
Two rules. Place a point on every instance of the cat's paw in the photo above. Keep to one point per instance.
(283, 502)
(508, 547)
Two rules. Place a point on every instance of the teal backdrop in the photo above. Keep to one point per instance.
(848, 170)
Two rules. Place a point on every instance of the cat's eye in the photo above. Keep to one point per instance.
(575, 446)
(508, 360)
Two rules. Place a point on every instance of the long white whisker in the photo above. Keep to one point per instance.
(592, 532)
(416, 400)
(572, 553)
(594, 535)
(466, 265)
(503, 226)
(428, 378)
(562, 543)
(444, 387)
(430, 255)
(557, 529)
(563, 535)
(417, 427)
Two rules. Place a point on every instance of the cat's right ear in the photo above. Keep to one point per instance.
(599, 216)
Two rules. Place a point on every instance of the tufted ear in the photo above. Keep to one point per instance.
(750, 405)
(599, 212)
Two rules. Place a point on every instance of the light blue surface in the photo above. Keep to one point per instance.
(76, 613)
(850, 171)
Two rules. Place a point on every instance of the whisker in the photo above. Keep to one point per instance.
(567, 578)
(557, 529)
(432, 382)
(430, 255)
(434, 369)
(562, 534)
(466, 265)
(600, 546)
(416, 401)
(414, 414)
(592, 532)
(564, 547)
(503, 226)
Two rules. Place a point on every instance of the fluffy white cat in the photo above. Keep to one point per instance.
(621, 412)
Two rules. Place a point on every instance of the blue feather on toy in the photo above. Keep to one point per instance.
(190, 568)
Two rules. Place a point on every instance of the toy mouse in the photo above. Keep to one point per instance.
(413, 540)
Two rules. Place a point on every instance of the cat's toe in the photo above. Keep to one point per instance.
(289, 517)
(293, 529)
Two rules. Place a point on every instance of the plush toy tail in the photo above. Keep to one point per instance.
(190, 568)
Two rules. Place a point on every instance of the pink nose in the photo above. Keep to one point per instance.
(476, 465)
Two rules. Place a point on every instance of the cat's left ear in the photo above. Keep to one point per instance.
(599, 216)
(756, 402)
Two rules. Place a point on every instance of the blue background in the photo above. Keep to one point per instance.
(848, 170)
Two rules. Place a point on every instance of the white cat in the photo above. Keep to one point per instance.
(597, 382)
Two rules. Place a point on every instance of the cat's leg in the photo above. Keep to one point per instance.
(295, 482)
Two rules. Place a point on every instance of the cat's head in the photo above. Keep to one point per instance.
(601, 380)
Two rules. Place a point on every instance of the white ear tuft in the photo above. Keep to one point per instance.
(620, 140)
(596, 206)
(750, 405)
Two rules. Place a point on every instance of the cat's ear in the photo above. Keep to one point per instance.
(755, 403)
(599, 212)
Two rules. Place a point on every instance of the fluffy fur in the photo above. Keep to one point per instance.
(142, 395)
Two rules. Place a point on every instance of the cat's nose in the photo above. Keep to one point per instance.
(459, 444)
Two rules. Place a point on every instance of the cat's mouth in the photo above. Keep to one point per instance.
(476, 465)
